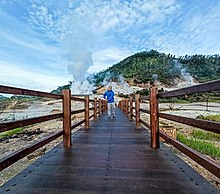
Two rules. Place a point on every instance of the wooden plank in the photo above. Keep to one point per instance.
(208, 164)
(145, 123)
(91, 116)
(127, 107)
(14, 157)
(77, 99)
(77, 124)
(100, 107)
(25, 122)
(137, 110)
(131, 107)
(95, 109)
(199, 123)
(206, 87)
(145, 111)
(20, 91)
(86, 116)
(77, 111)
(154, 120)
(67, 118)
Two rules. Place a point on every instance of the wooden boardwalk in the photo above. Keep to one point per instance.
(110, 157)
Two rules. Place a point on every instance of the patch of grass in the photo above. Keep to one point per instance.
(210, 117)
(11, 132)
(198, 134)
(173, 100)
(200, 146)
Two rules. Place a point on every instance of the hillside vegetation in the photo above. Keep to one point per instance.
(147, 66)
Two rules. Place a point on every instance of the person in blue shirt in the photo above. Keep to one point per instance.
(109, 94)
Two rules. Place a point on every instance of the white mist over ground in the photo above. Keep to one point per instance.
(83, 88)
(121, 86)
(185, 80)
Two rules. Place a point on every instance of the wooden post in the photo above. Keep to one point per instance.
(95, 109)
(154, 121)
(86, 112)
(137, 110)
(126, 107)
(66, 118)
(100, 107)
(105, 105)
(131, 107)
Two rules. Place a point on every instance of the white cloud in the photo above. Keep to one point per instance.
(103, 59)
(26, 78)
(47, 35)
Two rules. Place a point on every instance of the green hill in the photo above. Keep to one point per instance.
(146, 66)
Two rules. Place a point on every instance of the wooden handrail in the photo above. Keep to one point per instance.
(77, 111)
(206, 87)
(66, 114)
(20, 91)
(145, 123)
(203, 124)
(145, 111)
(77, 124)
(25, 122)
(14, 157)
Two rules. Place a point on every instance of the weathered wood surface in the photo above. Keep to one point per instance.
(110, 157)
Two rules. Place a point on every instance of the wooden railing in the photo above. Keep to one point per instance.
(212, 126)
(99, 106)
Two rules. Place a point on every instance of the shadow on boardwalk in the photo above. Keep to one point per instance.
(110, 157)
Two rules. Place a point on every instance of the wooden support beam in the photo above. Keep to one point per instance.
(137, 110)
(126, 107)
(67, 118)
(95, 109)
(100, 108)
(154, 119)
(131, 107)
(86, 112)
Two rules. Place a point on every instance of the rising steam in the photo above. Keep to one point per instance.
(77, 47)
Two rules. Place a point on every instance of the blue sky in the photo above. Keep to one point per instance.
(46, 43)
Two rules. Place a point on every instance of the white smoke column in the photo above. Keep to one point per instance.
(187, 79)
(77, 51)
(107, 79)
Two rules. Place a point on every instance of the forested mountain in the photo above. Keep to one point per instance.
(147, 66)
